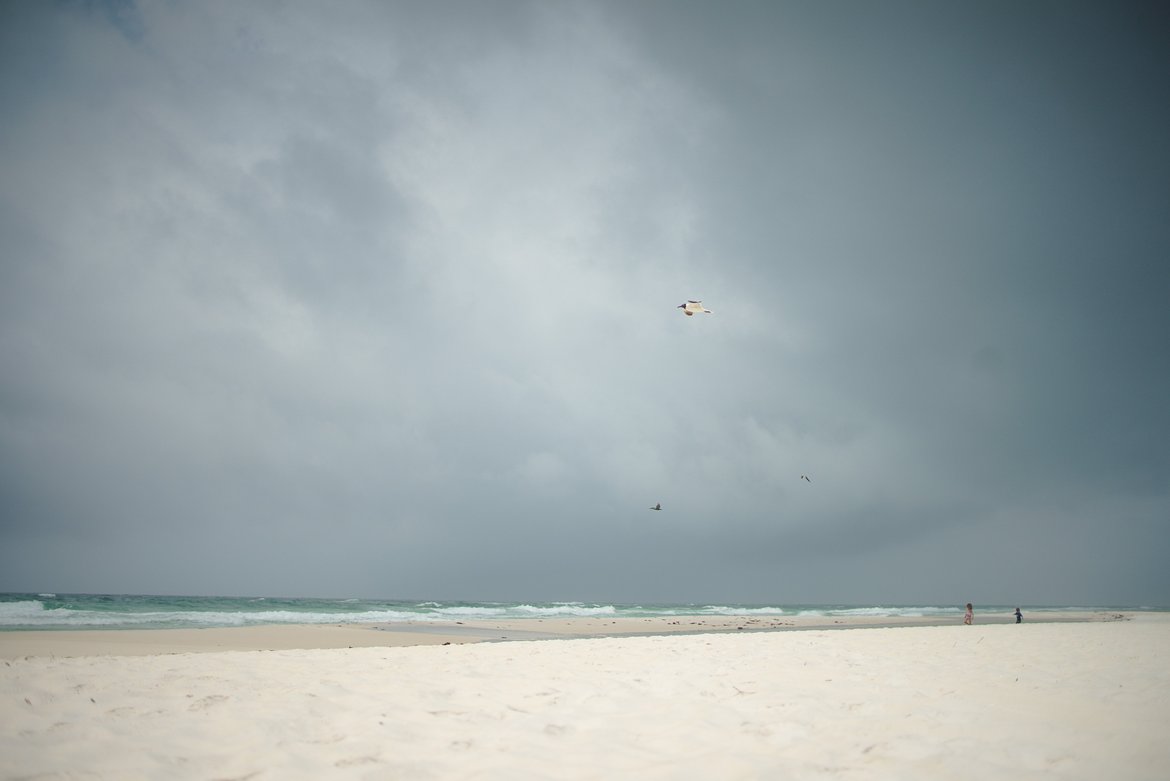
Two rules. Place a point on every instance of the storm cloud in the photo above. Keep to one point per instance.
(378, 299)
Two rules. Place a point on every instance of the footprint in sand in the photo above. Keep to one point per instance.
(204, 703)
(353, 761)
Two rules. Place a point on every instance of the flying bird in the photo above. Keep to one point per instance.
(657, 506)
(805, 478)
(690, 307)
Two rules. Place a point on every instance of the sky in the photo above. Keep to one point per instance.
(379, 299)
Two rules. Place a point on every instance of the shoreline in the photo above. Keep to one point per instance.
(17, 644)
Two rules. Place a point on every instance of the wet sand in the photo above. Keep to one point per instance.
(135, 642)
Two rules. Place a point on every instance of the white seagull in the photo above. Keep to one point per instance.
(690, 307)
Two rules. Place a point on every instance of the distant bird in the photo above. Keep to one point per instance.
(805, 478)
(690, 307)
(657, 506)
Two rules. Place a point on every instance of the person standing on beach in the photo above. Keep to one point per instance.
(1019, 616)
(970, 616)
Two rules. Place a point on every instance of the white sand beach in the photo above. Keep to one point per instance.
(1062, 700)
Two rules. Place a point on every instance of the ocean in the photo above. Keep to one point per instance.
(128, 611)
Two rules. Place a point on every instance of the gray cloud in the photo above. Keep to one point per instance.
(379, 300)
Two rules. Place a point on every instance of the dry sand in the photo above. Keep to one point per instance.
(1060, 700)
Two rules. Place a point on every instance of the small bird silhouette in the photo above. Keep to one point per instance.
(657, 506)
(690, 307)
(805, 478)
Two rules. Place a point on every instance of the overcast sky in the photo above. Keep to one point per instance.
(379, 299)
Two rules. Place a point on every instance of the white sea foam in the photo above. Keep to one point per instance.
(879, 612)
(34, 614)
(728, 610)
(461, 611)
(18, 613)
(564, 609)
